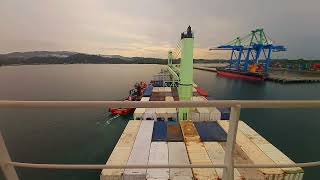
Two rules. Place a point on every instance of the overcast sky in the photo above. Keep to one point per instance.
(149, 27)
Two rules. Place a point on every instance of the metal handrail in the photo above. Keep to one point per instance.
(228, 167)
(163, 104)
(142, 166)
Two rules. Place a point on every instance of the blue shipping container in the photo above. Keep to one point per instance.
(158, 83)
(210, 131)
(148, 91)
(225, 113)
(159, 131)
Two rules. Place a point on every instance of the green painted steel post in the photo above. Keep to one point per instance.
(170, 58)
(186, 72)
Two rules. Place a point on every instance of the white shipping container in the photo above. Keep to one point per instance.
(158, 156)
(150, 114)
(145, 99)
(140, 151)
(178, 155)
(254, 153)
(194, 89)
(204, 114)
(172, 113)
(161, 89)
(155, 89)
(161, 110)
(138, 113)
(198, 155)
(194, 115)
(169, 98)
(167, 89)
(121, 151)
(215, 114)
(195, 85)
(216, 154)
(271, 151)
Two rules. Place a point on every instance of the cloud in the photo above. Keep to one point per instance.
(151, 28)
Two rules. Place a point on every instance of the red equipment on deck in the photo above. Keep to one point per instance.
(202, 91)
(134, 95)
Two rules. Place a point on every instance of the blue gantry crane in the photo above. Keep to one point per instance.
(256, 48)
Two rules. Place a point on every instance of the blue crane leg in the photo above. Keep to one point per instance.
(246, 62)
(266, 65)
(231, 59)
(239, 59)
(257, 55)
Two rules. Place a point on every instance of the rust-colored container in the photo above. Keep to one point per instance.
(161, 94)
(174, 133)
(157, 98)
(189, 131)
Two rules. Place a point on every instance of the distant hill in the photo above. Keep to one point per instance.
(31, 54)
(66, 57)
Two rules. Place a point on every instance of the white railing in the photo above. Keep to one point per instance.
(8, 169)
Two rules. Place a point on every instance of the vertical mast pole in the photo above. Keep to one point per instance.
(186, 72)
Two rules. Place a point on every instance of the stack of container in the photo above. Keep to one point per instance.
(148, 91)
(161, 89)
(216, 154)
(175, 94)
(158, 156)
(194, 85)
(210, 131)
(195, 116)
(225, 113)
(198, 155)
(174, 133)
(159, 131)
(178, 155)
(121, 152)
(194, 90)
(196, 151)
(206, 113)
(149, 113)
(255, 154)
(157, 96)
(139, 113)
(189, 131)
(140, 151)
(272, 152)
(155, 89)
(158, 83)
(161, 114)
(171, 112)
(240, 157)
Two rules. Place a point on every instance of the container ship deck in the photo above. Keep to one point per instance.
(155, 137)
(191, 136)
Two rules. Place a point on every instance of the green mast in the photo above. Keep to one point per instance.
(186, 72)
(170, 58)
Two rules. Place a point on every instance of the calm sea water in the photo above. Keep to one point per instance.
(88, 135)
